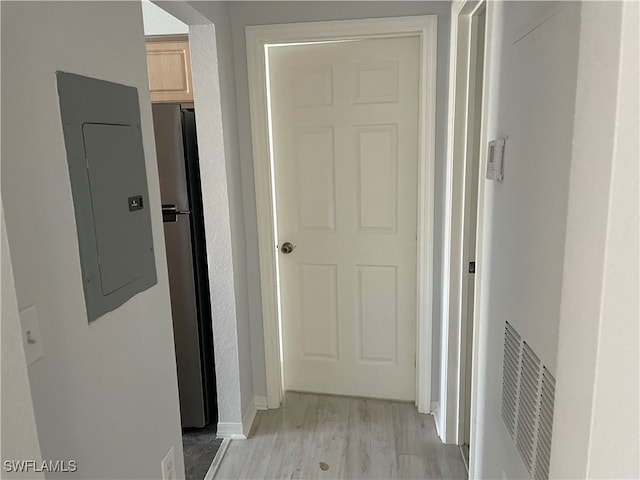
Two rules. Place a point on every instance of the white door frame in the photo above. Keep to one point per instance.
(474, 123)
(259, 38)
(453, 347)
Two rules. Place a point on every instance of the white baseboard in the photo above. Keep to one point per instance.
(232, 430)
(438, 418)
(240, 431)
(261, 402)
(217, 460)
(248, 418)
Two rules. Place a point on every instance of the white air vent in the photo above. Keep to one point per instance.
(510, 373)
(545, 424)
(527, 403)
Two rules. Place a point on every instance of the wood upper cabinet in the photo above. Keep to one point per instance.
(169, 65)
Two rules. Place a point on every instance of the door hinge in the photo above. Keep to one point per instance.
(472, 267)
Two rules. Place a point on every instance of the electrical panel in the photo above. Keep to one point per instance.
(105, 155)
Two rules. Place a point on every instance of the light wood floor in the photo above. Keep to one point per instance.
(355, 438)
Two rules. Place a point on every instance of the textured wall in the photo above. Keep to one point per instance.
(227, 79)
(213, 171)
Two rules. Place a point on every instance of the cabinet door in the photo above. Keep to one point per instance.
(169, 67)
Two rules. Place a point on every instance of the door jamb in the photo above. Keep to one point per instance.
(448, 416)
(258, 40)
(472, 165)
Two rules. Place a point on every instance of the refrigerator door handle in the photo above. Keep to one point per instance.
(170, 212)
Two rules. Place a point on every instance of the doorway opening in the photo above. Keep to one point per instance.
(174, 120)
(260, 41)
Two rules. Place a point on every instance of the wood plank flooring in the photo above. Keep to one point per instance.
(329, 437)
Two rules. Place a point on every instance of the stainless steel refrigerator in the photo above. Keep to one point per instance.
(181, 193)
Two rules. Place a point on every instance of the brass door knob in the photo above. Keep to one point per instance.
(287, 247)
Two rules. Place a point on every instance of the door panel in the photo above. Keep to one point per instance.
(377, 299)
(345, 143)
(315, 196)
(319, 310)
(377, 178)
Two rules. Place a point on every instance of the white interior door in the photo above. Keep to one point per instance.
(345, 144)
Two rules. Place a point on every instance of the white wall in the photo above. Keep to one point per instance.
(532, 95)
(262, 13)
(227, 272)
(221, 16)
(614, 450)
(159, 22)
(597, 422)
(104, 394)
(19, 434)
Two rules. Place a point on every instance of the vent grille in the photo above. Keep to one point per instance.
(510, 371)
(528, 390)
(527, 407)
(545, 424)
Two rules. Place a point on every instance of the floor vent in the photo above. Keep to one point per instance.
(527, 403)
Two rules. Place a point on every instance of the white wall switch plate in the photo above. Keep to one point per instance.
(31, 338)
(495, 160)
(168, 465)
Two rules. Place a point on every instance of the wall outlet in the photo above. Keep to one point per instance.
(31, 338)
(168, 465)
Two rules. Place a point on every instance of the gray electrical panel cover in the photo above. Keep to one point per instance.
(101, 125)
